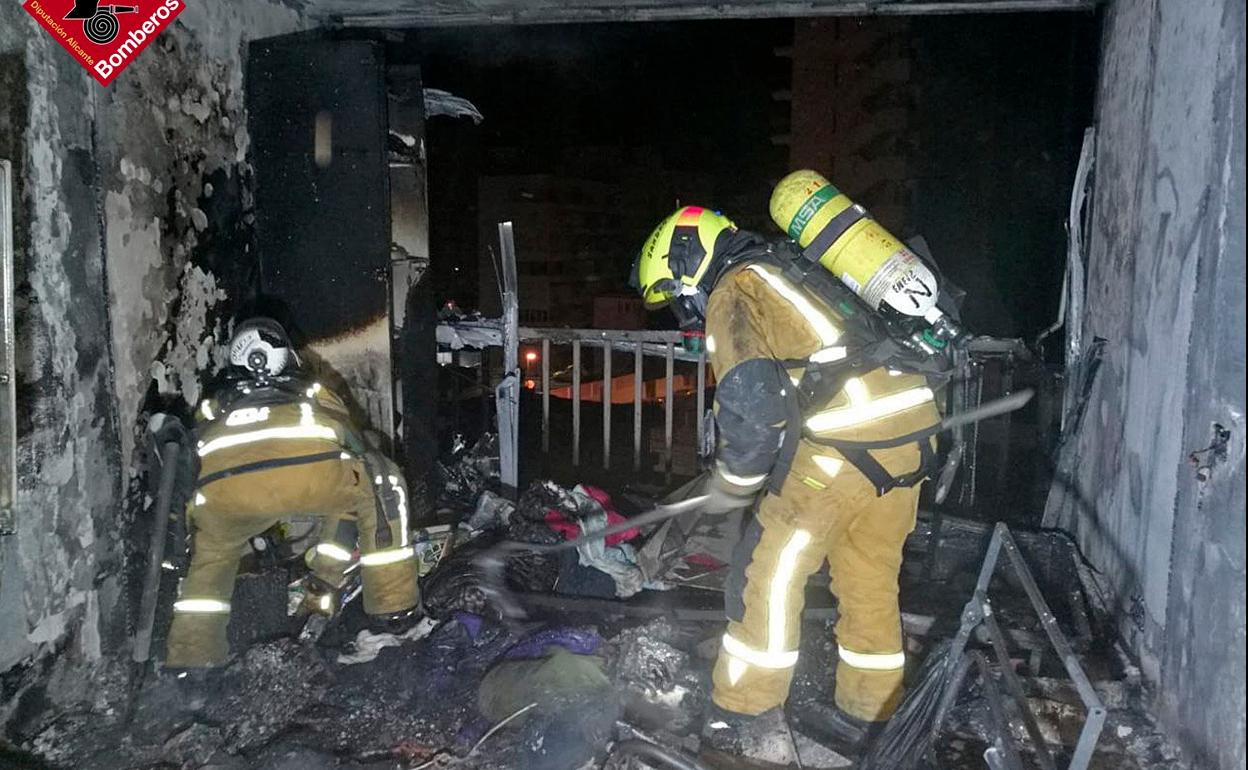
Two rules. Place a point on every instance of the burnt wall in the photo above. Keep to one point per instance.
(133, 246)
(61, 566)
(1166, 290)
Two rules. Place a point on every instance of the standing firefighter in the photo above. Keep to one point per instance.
(273, 445)
(806, 372)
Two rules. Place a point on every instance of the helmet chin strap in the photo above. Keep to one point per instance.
(689, 307)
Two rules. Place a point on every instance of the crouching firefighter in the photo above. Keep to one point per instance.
(272, 445)
(824, 408)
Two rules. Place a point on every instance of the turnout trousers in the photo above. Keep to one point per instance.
(826, 511)
(228, 512)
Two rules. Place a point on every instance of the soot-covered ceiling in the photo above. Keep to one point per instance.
(424, 13)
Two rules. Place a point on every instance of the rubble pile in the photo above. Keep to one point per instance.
(467, 471)
(602, 669)
(432, 702)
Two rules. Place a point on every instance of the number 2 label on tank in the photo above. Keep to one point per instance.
(904, 283)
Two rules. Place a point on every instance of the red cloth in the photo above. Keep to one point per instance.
(569, 529)
(704, 560)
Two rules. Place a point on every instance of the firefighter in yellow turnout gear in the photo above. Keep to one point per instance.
(826, 509)
(765, 329)
(272, 446)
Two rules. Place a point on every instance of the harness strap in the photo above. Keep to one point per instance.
(821, 381)
(383, 537)
(789, 441)
(877, 474)
(832, 231)
(264, 465)
(917, 436)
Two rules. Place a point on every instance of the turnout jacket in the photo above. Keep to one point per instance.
(765, 329)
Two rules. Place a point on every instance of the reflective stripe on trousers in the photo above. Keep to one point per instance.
(738, 480)
(776, 654)
(861, 537)
(333, 551)
(388, 556)
(213, 606)
(237, 509)
(886, 661)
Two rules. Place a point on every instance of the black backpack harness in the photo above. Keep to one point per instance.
(870, 344)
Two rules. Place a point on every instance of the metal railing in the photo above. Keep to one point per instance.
(660, 344)
(506, 333)
(642, 345)
(989, 368)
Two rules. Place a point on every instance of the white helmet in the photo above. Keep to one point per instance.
(261, 345)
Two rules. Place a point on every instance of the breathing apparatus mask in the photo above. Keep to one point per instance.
(688, 305)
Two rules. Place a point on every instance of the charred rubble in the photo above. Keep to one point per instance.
(1076, 166)
(580, 677)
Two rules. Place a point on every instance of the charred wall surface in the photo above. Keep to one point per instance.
(1166, 290)
(63, 560)
(133, 246)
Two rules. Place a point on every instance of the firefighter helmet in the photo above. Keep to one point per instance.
(260, 345)
(677, 254)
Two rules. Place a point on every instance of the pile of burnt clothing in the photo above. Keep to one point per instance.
(560, 696)
(467, 471)
(546, 514)
(460, 584)
(492, 513)
(603, 567)
(655, 673)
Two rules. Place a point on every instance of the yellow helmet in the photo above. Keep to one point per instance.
(677, 254)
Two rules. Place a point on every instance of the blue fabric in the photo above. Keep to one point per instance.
(580, 641)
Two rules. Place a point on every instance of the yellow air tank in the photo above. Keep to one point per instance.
(865, 257)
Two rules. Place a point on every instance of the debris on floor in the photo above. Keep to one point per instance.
(587, 679)
(368, 645)
(661, 686)
(467, 472)
(491, 511)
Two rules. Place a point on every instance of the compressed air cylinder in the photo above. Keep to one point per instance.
(865, 257)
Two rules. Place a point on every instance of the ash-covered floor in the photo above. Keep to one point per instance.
(603, 673)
